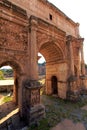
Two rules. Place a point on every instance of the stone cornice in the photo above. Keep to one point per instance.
(13, 13)
(73, 39)
(9, 6)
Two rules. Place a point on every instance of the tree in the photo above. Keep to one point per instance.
(1, 75)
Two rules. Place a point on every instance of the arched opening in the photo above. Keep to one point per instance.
(54, 85)
(6, 84)
(51, 52)
(10, 105)
(42, 71)
(53, 56)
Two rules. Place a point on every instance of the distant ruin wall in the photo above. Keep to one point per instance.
(6, 88)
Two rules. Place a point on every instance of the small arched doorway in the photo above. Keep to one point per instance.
(54, 85)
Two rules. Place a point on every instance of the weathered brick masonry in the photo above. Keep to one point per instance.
(31, 26)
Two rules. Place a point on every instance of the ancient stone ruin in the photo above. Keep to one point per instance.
(32, 26)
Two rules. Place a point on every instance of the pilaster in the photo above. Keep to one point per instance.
(33, 49)
(71, 58)
(82, 61)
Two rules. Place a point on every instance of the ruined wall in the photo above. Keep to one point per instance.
(14, 45)
(13, 35)
(6, 88)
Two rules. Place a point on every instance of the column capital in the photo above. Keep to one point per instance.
(33, 21)
(33, 24)
(77, 24)
(81, 40)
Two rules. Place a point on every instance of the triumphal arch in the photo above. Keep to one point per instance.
(31, 26)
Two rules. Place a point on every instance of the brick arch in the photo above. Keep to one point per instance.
(16, 67)
(51, 52)
(17, 73)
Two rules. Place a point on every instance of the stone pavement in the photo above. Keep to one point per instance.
(69, 125)
(84, 108)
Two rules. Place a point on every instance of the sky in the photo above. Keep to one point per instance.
(76, 10)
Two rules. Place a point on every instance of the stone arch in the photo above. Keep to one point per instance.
(11, 63)
(17, 73)
(54, 57)
(51, 52)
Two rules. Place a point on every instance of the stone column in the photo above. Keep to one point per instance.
(33, 50)
(82, 61)
(15, 88)
(77, 30)
(71, 59)
(31, 87)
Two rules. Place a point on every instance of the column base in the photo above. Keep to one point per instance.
(33, 110)
(35, 114)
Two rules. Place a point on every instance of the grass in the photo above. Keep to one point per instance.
(42, 125)
(58, 110)
(42, 82)
(7, 99)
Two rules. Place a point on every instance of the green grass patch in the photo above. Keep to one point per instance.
(58, 109)
(7, 99)
(42, 125)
